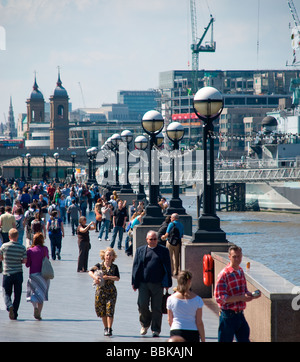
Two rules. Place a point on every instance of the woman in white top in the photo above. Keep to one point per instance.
(185, 311)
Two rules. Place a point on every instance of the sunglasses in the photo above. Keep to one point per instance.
(152, 238)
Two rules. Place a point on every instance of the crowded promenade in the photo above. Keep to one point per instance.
(69, 314)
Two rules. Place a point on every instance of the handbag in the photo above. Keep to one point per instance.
(164, 303)
(98, 216)
(47, 270)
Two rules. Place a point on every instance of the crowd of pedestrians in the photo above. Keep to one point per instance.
(35, 212)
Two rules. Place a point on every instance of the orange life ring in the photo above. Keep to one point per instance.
(208, 270)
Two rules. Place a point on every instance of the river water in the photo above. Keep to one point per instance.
(270, 238)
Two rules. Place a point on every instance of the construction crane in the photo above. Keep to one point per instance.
(83, 101)
(295, 31)
(197, 46)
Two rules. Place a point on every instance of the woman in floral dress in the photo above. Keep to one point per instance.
(105, 275)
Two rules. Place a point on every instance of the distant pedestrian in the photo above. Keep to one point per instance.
(119, 224)
(29, 217)
(69, 200)
(132, 208)
(13, 255)
(185, 311)
(25, 199)
(7, 222)
(74, 212)
(107, 213)
(84, 243)
(231, 294)
(62, 207)
(151, 272)
(163, 229)
(37, 286)
(135, 220)
(43, 206)
(56, 232)
(38, 225)
(83, 200)
(106, 292)
(98, 214)
(174, 235)
(20, 224)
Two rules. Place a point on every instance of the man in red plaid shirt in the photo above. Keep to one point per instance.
(231, 294)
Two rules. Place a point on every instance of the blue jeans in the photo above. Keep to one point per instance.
(55, 240)
(20, 237)
(116, 230)
(63, 213)
(10, 283)
(74, 224)
(233, 324)
(104, 225)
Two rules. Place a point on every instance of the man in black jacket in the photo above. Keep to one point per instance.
(151, 272)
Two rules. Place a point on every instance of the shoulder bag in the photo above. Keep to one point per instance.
(47, 270)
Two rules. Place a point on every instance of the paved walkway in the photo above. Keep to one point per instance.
(69, 315)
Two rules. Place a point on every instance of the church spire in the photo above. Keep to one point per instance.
(59, 82)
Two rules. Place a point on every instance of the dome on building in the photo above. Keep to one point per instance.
(269, 121)
(36, 94)
(60, 91)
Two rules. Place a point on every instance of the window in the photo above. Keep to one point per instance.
(60, 111)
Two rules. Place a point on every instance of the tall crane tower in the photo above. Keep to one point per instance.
(197, 46)
(295, 31)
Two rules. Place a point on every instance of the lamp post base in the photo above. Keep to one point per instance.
(126, 190)
(153, 215)
(209, 230)
(175, 206)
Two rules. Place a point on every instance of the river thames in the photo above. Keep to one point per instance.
(267, 237)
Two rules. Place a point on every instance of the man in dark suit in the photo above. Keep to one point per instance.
(151, 273)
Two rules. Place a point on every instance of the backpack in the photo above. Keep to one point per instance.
(36, 227)
(29, 220)
(174, 236)
(54, 226)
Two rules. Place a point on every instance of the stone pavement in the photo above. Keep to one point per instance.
(69, 315)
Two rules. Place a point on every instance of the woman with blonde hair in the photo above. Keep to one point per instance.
(105, 275)
(37, 286)
(185, 311)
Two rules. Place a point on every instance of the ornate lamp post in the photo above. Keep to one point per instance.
(73, 156)
(23, 166)
(115, 141)
(208, 105)
(94, 151)
(127, 137)
(45, 169)
(28, 157)
(89, 156)
(153, 123)
(56, 156)
(175, 133)
(141, 143)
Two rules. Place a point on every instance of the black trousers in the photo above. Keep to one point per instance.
(84, 248)
(150, 294)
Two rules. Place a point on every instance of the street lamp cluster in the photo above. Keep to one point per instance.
(208, 105)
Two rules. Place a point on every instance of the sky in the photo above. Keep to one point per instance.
(103, 46)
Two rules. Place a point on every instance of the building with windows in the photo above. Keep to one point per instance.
(247, 93)
(138, 102)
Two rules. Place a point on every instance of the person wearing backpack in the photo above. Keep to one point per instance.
(173, 236)
(29, 217)
(55, 230)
